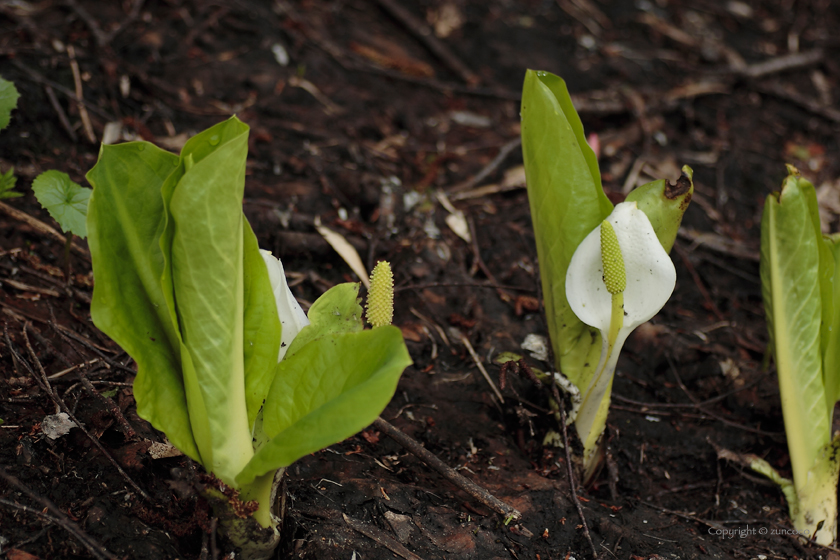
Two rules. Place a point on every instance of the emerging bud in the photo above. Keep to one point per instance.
(380, 301)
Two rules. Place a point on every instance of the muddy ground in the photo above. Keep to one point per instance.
(356, 105)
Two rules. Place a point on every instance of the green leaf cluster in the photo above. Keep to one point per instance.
(182, 287)
(800, 285)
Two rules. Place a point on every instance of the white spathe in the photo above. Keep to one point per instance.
(651, 276)
(292, 317)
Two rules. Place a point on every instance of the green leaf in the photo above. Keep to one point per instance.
(831, 340)
(567, 202)
(205, 229)
(329, 390)
(336, 311)
(261, 329)
(66, 201)
(125, 220)
(8, 101)
(7, 183)
(790, 278)
(664, 205)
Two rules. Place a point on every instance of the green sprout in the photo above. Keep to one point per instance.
(67, 203)
(800, 285)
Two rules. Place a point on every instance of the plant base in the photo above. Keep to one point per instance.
(238, 529)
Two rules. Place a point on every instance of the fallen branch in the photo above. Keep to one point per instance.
(431, 460)
(55, 516)
(43, 229)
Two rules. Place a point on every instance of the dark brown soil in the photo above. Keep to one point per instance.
(363, 113)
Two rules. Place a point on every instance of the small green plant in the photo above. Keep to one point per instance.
(229, 366)
(589, 310)
(67, 203)
(7, 184)
(800, 285)
(8, 101)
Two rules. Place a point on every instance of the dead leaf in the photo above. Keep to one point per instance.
(344, 250)
(15, 554)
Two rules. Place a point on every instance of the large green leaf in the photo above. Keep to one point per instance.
(206, 262)
(831, 340)
(65, 200)
(790, 278)
(262, 328)
(181, 285)
(567, 202)
(124, 221)
(327, 391)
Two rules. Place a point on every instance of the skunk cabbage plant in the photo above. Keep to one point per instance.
(568, 205)
(619, 277)
(228, 365)
(800, 285)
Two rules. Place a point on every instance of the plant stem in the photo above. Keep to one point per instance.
(67, 244)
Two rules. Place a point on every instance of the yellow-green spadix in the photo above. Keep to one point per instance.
(602, 299)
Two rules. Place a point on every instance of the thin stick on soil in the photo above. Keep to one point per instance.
(128, 431)
(463, 284)
(466, 342)
(699, 406)
(431, 460)
(571, 473)
(425, 35)
(56, 517)
(43, 228)
(71, 336)
(44, 382)
(77, 79)
(62, 116)
(504, 152)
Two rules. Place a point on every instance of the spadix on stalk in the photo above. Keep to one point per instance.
(619, 277)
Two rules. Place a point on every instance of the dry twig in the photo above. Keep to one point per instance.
(55, 516)
(43, 228)
(446, 471)
(570, 472)
(77, 80)
(422, 31)
(504, 152)
(62, 116)
(380, 537)
(44, 382)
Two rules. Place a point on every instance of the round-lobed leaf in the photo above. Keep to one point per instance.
(66, 201)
